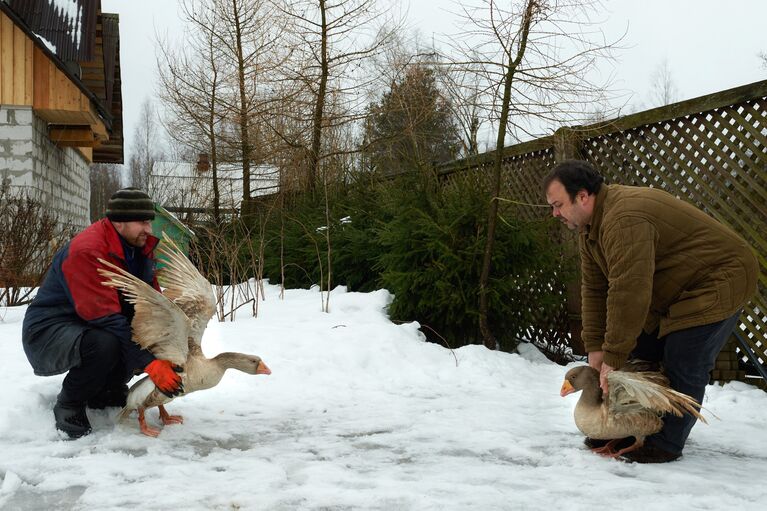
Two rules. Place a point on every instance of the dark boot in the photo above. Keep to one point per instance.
(593, 443)
(651, 454)
(71, 419)
(110, 396)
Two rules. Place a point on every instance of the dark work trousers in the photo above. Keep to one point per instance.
(101, 367)
(688, 356)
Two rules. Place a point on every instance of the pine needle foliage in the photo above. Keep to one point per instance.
(355, 217)
(430, 261)
(423, 240)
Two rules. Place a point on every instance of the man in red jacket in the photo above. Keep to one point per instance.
(78, 326)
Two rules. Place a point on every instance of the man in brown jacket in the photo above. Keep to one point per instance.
(661, 281)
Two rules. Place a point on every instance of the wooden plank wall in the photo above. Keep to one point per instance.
(56, 98)
(28, 77)
(16, 64)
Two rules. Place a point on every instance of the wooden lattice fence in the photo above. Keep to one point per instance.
(711, 151)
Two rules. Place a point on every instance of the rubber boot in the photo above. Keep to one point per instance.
(70, 417)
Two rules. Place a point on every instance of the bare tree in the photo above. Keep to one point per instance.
(465, 91)
(218, 86)
(190, 88)
(763, 58)
(104, 180)
(29, 237)
(663, 90)
(331, 40)
(246, 34)
(321, 92)
(533, 57)
(146, 146)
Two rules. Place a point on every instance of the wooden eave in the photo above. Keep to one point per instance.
(32, 75)
(109, 73)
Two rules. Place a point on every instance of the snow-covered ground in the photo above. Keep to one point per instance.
(360, 413)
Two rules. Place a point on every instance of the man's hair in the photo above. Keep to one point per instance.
(575, 175)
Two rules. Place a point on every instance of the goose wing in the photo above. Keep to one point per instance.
(186, 287)
(631, 392)
(158, 325)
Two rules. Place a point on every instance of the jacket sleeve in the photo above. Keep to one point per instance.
(629, 245)
(593, 301)
(99, 305)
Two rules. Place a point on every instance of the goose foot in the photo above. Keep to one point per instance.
(144, 428)
(608, 450)
(168, 418)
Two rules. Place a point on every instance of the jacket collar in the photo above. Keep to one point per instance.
(591, 230)
(113, 240)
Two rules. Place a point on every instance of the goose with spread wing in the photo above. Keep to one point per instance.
(171, 325)
(633, 407)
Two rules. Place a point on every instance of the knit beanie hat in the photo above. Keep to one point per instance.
(130, 204)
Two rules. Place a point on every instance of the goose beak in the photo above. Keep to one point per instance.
(566, 389)
(262, 369)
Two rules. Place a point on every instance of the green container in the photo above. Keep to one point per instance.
(165, 221)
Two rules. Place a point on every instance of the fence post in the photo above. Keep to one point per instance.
(567, 146)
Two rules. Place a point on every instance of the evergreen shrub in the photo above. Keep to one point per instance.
(355, 217)
(424, 242)
(432, 255)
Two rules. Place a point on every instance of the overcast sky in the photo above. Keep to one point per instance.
(710, 45)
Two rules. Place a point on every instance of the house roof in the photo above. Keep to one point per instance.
(179, 186)
(70, 25)
(110, 81)
(70, 33)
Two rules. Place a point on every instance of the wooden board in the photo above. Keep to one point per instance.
(15, 64)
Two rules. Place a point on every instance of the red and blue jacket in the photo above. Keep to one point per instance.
(72, 300)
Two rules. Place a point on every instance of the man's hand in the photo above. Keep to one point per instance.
(595, 359)
(603, 372)
(165, 377)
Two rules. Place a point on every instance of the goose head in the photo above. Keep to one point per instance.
(580, 378)
(250, 364)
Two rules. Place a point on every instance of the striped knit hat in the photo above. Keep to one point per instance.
(130, 204)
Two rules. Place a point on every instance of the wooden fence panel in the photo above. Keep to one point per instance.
(717, 160)
(710, 151)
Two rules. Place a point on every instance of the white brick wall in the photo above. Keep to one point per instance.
(58, 177)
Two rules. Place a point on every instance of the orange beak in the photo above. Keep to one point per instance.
(262, 369)
(566, 389)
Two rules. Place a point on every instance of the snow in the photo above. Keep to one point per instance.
(180, 185)
(361, 413)
(72, 14)
(47, 43)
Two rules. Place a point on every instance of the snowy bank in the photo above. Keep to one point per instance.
(360, 413)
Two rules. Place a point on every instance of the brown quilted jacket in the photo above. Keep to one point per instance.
(650, 260)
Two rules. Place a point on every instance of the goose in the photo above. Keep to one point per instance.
(633, 407)
(170, 325)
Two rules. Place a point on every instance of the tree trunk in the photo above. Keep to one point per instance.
(319, 106)
(212, 140)
(245, 145)
(488, 338)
